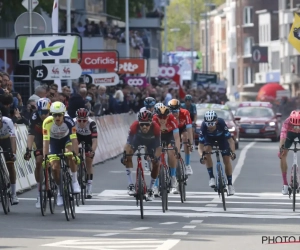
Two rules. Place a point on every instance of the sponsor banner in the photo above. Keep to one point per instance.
(136, 81)
(48, 48)
(132, 66)
(259, 54)
(99, 60)
(167, 71)
(104, 79)
(203, 78)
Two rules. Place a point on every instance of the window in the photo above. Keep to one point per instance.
(275, 63)
(248, 42)
(248, 15)
(248, 75)
(287, 4)
(232, 77)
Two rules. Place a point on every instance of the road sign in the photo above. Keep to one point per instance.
(34, 4)
(39, 25)
(104, 79)
(57, 71)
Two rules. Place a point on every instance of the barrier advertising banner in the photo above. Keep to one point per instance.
(99, 60)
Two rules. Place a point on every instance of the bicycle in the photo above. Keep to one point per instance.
(294, 185)
(164, 176)
(140, 184)
(5, 188)
(82, 175)
(66, 188)
(181, 175)
(221, 182)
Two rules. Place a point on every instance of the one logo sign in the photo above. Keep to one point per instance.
(259, 54)
(45, 48)
(167, 71)
(205, 78)
(136, 81)
(99, 60)
(57, 71)
(105, 79)
(131, 66)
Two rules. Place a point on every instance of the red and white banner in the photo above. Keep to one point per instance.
(105, 79)
(132, 66)
(99, 60)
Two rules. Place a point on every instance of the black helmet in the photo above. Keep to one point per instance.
(149, 102)
(145, 116)
(188, 98)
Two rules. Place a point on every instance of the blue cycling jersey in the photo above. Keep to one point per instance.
(192, 108)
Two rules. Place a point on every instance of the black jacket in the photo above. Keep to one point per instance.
(75, 102)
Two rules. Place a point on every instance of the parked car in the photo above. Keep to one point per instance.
(258, 120)
(222, 111)
(233, 106)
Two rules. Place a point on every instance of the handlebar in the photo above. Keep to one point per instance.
(138, 153)
(60, 155)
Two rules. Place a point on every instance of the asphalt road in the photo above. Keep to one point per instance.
(111, 219)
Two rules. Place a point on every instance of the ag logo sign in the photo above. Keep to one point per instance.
(45, 48)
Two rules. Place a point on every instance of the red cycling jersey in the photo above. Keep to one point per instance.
(184, 118)
(166, 125)
(136, 130)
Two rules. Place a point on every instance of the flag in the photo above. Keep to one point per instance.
(294, 35)
(55, 24)
(181, 92)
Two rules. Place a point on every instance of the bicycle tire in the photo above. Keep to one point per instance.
(52, 193)
(141, 192)
(71, 196)
(163, 188)
(65, 194)
(83, 183)
(294, 187)
(180, 178)
(5, 199)
(221, 186)
(43, 191)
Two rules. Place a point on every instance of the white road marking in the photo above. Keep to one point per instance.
(180, 233)
(189, 227)
(168, 223)
(140, 228)
(211, 205)
(196, 221)
(241, 161)
(107, 234)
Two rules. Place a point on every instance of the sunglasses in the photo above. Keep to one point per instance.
(57, 115)
(162, 116)
(81, 120)
(143, 124)
(210, 124)
(175, 111)
(44, 112)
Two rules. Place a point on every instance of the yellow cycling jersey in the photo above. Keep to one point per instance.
(53, 131)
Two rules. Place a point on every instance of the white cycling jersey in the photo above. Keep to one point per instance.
(88, 129)
(8, 128)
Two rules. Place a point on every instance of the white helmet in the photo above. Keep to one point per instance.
(158, 106)
(210, 116)
(57, 107)
(43, 104)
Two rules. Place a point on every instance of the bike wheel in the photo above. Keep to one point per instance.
(221, 187)
(52, 193)
(294, 186)
(4, 193)
(83, 184)
(71, 196)
(43, 191)
(180, 178)
(163, 188)
(141, 192)
(65, 194)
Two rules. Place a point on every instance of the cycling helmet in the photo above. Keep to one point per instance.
(145, 116)
(188, 98)
(295, 118)
(210, 116)
(163, 111)
(57, 107)
(149, 102)
(43, 104)
(157, 106)
(82, 113)
(174, 104)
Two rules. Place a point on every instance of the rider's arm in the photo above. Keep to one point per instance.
(175, 129)
(132, 131)
(201, 139)
(194, 112)
(157, 136)
(12, 133)
(31, 134)
(283, 133)
(47, 124)
(94, 134)
(229, 138)
(188, 126)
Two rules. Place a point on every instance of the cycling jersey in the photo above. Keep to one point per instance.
(289, 132)
(151, 139)
(184, 119)
(167, 125)
(87, 133)
(192, 109)
(219, 135)
(36, 129)
(8, 128)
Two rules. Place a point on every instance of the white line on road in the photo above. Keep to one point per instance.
(168, 223)
(189, 227)
(140, 228)
(196, 221)
(211, 205)
(107, 234)
(180, 233)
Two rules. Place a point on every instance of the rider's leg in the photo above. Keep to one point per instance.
(129, 165)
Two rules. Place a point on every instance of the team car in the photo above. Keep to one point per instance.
(258, 120)
(223, 112)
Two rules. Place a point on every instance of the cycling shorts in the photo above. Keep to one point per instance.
(182, 130)
(6, 145)
(221, 143)
(151, 145)
(38, 152)
(58, 145)
(290, 137)
(167, 137)
(87, 139)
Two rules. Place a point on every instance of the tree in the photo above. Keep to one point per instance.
(179, 12)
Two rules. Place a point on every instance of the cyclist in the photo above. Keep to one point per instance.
(143, 132)
(169, 132)
(8, 142)
(59, 133)
(87, 132)
(213, 130)
(289, 131)
(185, 130)
(35, 135)
(191, 107)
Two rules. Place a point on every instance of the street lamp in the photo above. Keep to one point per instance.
(175, 40)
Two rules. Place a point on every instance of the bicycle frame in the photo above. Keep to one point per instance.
(140, 167)
(219, 166)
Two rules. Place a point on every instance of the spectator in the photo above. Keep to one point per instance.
(118, 104)
(66, 90)
(1, 85)
(80, 29)
(168, 96)
(29, 109)
(52, 95)
(40, 92)
(77, 101)
(101, 106)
